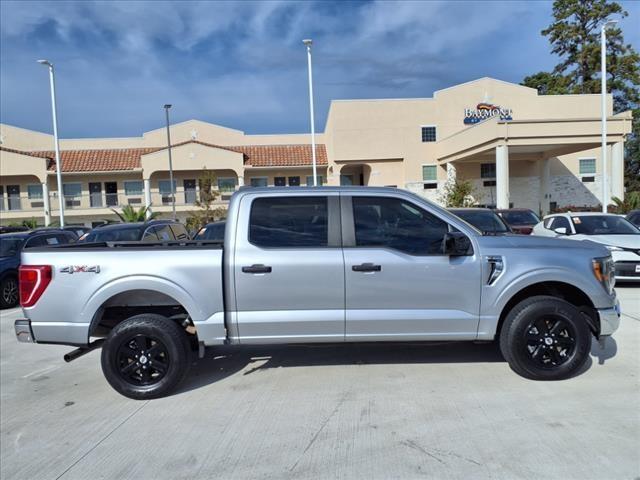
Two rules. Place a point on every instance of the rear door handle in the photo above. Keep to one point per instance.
(257, 268)
(366, 267)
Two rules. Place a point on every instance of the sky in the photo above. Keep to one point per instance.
(243, 65)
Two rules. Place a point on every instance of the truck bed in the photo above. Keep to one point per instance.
(90, 279)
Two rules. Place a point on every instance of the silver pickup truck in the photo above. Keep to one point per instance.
(307, 265)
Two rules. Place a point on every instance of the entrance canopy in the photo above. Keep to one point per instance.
(528, 139)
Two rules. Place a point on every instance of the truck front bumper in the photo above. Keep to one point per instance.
(23, 330)
(609, 319)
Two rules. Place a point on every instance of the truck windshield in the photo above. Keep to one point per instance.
(10, 246)
(520, 217)
(114, 235)
(603, 225)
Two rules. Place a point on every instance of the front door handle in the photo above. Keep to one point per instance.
(366, 267)
(257, 268)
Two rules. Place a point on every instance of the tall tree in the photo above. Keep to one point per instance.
(575, 37)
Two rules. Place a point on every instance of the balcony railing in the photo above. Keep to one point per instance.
(98, 200)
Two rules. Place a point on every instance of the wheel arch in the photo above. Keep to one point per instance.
(557, 289)
(123, 298)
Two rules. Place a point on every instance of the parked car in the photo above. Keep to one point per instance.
(11, 246)
(328, 264)
(634, 217)
(620, 236)
(484, 219)
(211, 231)
(79, 230)
(12, 229)
(153, 231)
(520, 220)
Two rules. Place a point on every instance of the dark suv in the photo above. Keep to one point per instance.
(634, 217)
(11, 245)
(153, 231)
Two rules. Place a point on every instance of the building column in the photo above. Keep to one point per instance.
(147, 196)
(502, 176)
(616, 181)
(45, 202)
(451, 172)
(545, 191)
(240, 181)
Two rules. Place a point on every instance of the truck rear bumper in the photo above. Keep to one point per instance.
(609, 319)
(23, 331)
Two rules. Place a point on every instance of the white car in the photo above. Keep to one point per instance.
(619, 235)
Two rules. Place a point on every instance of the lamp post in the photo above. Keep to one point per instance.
(603, 95)
(55, 138)
(173, 192)
(308, 43)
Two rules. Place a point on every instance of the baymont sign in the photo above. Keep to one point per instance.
(483, 111)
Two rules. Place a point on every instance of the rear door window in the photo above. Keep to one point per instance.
(285, 222)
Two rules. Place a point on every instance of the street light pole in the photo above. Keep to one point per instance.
(603, 95)
(173, 192)
(308, 43)
(55, 139)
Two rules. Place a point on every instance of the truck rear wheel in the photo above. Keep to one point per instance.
(145, 356)
(545, 338)
(9, 292)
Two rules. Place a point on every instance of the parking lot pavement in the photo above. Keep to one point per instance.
(364, 411)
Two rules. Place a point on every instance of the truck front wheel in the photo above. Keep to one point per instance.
(545, 338)
(145, 356)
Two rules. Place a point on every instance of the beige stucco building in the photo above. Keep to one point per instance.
(518, 148)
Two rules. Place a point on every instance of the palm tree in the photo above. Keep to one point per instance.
(130, 214)
(631, 202)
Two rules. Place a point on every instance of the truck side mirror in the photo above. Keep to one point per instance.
(456, 244)
(561, 230)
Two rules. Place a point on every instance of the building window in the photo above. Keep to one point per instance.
(280, 181)
(226, 184)
(429, 134)
(429, 173)
(259, 182)
(164, 186)
(34, 191)
(310, 180)
(487, 170)
(587, 166)
(294, 181)
(72, 194)
(134, 188)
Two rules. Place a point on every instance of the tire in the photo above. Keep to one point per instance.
(9, 292)
(545, 338)
(155, 373)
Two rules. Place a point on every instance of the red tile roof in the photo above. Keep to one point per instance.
(282, 155)
(21, 152)
(123, 159)
(97, 160)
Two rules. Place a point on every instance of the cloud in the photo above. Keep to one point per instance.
(242, 64)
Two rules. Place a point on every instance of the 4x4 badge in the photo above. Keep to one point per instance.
(80, 269)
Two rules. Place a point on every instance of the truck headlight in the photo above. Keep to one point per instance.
(603, 270)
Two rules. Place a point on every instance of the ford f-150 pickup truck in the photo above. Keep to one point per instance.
(305, 265)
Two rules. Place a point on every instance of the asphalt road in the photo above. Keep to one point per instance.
(370, 412)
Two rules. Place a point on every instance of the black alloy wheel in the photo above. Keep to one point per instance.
(142, 360)
(9, 292)
(146, 356)
(550, 341)
(545, 338)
